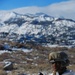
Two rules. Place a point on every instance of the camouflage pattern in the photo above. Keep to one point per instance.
(59, 56)
(68, 72)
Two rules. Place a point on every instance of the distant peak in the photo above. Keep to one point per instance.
(40, 13)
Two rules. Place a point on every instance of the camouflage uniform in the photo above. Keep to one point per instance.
(65, 73)
(63, 57)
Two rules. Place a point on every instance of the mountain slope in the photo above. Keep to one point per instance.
(39, 28)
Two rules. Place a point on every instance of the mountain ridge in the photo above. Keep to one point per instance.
(39, 28)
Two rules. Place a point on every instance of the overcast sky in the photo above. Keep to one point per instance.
(56, 8)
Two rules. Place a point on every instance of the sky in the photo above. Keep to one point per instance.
(13, 4)
(55, 8)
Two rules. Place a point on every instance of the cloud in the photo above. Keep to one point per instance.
(25, 10)
(65, 9)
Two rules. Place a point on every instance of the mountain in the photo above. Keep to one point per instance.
(39, 28)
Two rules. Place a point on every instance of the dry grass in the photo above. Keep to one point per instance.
(34, 61)
(72, 67)
(2, 72)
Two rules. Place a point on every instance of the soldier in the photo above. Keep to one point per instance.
(59, 61)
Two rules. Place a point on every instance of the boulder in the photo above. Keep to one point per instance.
(8, 66)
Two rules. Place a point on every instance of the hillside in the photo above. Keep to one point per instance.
(39, 28)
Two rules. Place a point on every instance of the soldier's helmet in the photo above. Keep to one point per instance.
(59, 56)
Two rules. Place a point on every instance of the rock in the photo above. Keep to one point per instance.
(8, 66)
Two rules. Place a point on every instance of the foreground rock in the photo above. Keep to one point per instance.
(8, 66)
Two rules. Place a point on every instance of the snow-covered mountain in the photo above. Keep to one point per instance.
(39, 28)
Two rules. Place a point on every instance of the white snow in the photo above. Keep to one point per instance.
(15, 49)
(22, 49)
(4, 51)
(56, 27)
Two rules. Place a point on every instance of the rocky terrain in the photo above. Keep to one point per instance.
(34, 61)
